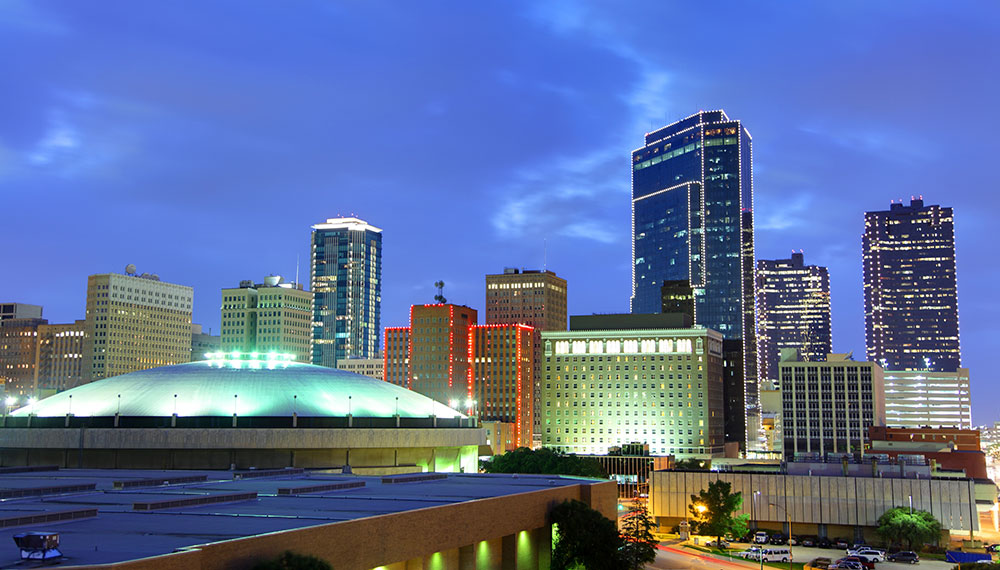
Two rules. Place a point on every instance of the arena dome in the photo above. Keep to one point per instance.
(246, 388)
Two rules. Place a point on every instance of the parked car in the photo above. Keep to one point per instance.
(840, 543)
(870, 554)
(778, 554)
(760, 537)
(719, 544)
(846, 565)
(993, 548)
(750, 553)
(778, 539)
(793, 540)
(823, 542)
(868, 564)
(748, 537)
(807, 541)
(907, 556)
(820, 563)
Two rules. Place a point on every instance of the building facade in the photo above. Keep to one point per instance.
(927, 398)
(828, 406)
(371, 367)
(18, 348)
(203, 344)
(503, 375)
(272, 316)
(692, 220)
(135, 322)
(607, 384)
(19, 311)
(438, 356)
(59, 357)
(536, 298)
(911, 289)
(347, 288)
(793, 311)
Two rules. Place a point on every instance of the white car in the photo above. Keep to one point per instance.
(869, 554)
(750, 553)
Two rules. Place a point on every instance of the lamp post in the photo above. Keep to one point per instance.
(788, 518)
(756, 510)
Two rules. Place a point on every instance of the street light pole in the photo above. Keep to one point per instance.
(788, 518)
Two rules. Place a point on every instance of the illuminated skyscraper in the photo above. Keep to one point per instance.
(911, 291)
(692, 220)
(793, 311)
(347, 288)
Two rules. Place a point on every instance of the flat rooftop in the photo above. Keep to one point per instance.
(120, 532)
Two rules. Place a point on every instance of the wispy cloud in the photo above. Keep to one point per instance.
(867, 139)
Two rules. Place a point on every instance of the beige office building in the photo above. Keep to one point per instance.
(613, 380)
(134, 322)
(273, 316)
(59, 357)
(371, 367)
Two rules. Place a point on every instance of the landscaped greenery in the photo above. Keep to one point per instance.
(639, 546)
(584, 539)
(901, 524)
(712, 511)
(544, 461)
(291, 561)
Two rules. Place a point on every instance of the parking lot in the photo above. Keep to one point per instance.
(804, 554)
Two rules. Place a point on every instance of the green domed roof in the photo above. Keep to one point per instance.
(222, 388)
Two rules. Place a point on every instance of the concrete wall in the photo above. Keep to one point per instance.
(498, 533)
(849, 501)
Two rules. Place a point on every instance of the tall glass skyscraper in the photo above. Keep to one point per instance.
(692, 220)
(793, 311)
(911, 289)
(347, 287)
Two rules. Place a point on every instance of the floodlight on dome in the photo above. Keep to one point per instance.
(11, 400)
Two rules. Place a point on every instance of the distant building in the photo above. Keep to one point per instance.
(135, 322)
(18, 347)
(615, 380)
(503, 376)
(677, 296)
(59, 357)
(371, 367)
(203, 343)
(19, 311)
(944, 449)
(499, 436)
(692, 220)
(438, 357)
(347, 287)
(927, 398)
(828, 406)
(911, 288)
(272, 316)
(536, 298)
(793, 311)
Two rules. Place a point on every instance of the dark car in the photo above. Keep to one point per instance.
(907, 556)
(993, 548)
(807, 541)
(841, 543)
(778, 539)
(866, 563)
(823, 542)
(846, 565)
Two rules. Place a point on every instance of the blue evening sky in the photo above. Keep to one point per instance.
(200, 140)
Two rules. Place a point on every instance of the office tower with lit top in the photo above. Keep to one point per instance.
(134, 322)
(793, 311)
(692, 220)
(273, 316)
(910, 287)
(536, 298)
(346, 281)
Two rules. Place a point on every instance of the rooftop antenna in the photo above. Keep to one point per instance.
(296, 271)
(440, 296)
(545, 254)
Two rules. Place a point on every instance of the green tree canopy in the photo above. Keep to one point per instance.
(899, 525)
(712, 511)
(544, 461)
(291, 561)
(584, 539)
(639, 546)
(692, 464)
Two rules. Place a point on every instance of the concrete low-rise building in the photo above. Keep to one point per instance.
(826, 502)
(200, 520)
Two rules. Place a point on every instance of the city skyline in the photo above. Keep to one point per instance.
(200, 124)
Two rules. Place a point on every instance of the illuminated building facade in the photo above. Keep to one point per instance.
(439, 353)
(503, 376)
(370, 367)
(203, 343)
(18, 347)
(928, 398)
(396, 356)
(135, 322)
(536, 298)
(828, 406)
(692, 220)
(59, 357)
(608, 383)
(910, 286)
(272, 316)
(347, 288)
(793, 311)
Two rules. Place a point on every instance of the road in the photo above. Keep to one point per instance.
(672, 556)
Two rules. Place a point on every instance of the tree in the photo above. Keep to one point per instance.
(638, 544)
(712, 511)
(544, 461)
(692, 464)
(899, 525)
(289, 560)
(584, 539)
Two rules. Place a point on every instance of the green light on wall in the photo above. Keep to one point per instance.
(483, 554)
(436, 561)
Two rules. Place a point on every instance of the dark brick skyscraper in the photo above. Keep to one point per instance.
(911, 292)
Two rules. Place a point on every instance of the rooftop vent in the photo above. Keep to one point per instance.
(38, 545)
